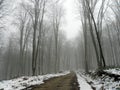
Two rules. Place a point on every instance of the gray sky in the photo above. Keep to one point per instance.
(72, 25)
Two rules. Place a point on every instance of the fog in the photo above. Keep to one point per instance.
(48, 36)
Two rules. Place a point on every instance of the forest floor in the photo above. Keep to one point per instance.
(66, 82)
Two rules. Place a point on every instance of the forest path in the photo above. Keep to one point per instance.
(66, 82)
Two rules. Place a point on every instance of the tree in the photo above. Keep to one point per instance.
(94, 27)
(37, 20)
(56, 20)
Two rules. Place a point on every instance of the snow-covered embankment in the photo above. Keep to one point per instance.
(27, 81)
(83, 83)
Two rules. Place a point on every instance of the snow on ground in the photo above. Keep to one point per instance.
(92, 83)
(103, 82)
(110, 83)
(113, 71)
(83, 83)
(107, 83)
(26, 81)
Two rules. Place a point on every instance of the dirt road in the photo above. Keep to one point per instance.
(67, 82)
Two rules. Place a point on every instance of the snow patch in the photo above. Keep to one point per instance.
(83, 83)
(103, 82)
(27, 81)
(113, 71)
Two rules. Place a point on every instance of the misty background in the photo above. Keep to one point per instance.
(48, 36)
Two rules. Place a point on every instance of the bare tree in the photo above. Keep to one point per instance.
(37, 15)
(90, 23)
(56, 16)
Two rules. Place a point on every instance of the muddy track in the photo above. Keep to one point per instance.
(67, 82)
